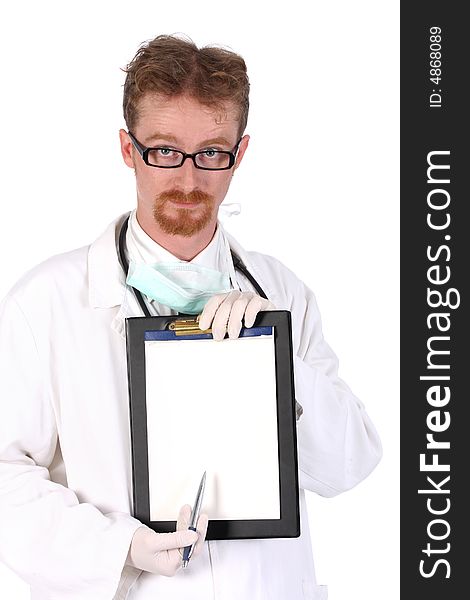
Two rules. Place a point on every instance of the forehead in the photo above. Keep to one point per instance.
(184, 119)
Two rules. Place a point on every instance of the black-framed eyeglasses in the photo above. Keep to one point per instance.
(165, 157)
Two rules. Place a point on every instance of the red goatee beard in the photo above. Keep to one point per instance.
(176, 220)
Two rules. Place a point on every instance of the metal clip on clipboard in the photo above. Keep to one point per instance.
(187, 327)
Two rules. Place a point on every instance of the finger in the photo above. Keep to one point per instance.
(184, 517)
(168, 553)
(169, 561)
(254, 306)
(236, 315)
(202, 531)
(207, 315)
(177, 539)
(219, 323)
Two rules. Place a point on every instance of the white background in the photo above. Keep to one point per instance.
(324, 93)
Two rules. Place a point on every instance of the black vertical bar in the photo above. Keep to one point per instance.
(434, 300)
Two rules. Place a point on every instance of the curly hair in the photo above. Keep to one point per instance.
(172, 66)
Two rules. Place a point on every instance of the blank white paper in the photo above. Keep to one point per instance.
(211, 406)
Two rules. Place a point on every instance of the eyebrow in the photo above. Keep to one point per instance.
(166, 137)
(162, 136)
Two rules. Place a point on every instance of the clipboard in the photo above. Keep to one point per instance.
(227, 408)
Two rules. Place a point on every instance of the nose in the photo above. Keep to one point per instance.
(187, 176)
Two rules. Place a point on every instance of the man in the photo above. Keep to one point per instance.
(65, 475)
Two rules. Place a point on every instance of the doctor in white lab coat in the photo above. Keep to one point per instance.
(65, 472)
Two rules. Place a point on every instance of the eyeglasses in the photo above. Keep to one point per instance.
(167, 158)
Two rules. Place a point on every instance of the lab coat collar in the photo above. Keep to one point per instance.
(252, 267)
(106, 280)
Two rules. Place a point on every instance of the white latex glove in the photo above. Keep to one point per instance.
(161, 553)
(225, 312)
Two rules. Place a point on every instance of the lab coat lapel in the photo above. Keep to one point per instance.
(129, 308)
(106, 280)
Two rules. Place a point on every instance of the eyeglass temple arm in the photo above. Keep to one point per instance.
(140, 149)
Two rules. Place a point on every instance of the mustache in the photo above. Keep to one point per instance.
(180, 196)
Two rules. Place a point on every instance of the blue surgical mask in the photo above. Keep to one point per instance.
(185, 287)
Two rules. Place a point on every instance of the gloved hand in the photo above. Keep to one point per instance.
(161, 553)
(226, 311)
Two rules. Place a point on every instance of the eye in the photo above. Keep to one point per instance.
(164, 151)
(210, 153)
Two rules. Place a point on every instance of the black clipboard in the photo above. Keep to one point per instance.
(275, 329)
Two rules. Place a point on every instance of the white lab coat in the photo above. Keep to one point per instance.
(65, 471)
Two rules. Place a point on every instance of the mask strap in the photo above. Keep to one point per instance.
(229, 209)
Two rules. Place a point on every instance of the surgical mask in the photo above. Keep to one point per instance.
(185, 287)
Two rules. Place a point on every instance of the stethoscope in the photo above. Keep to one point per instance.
(237, 263)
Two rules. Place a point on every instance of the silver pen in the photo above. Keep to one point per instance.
(187, 552)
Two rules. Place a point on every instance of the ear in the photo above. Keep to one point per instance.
(126, 148)
(241, 150)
